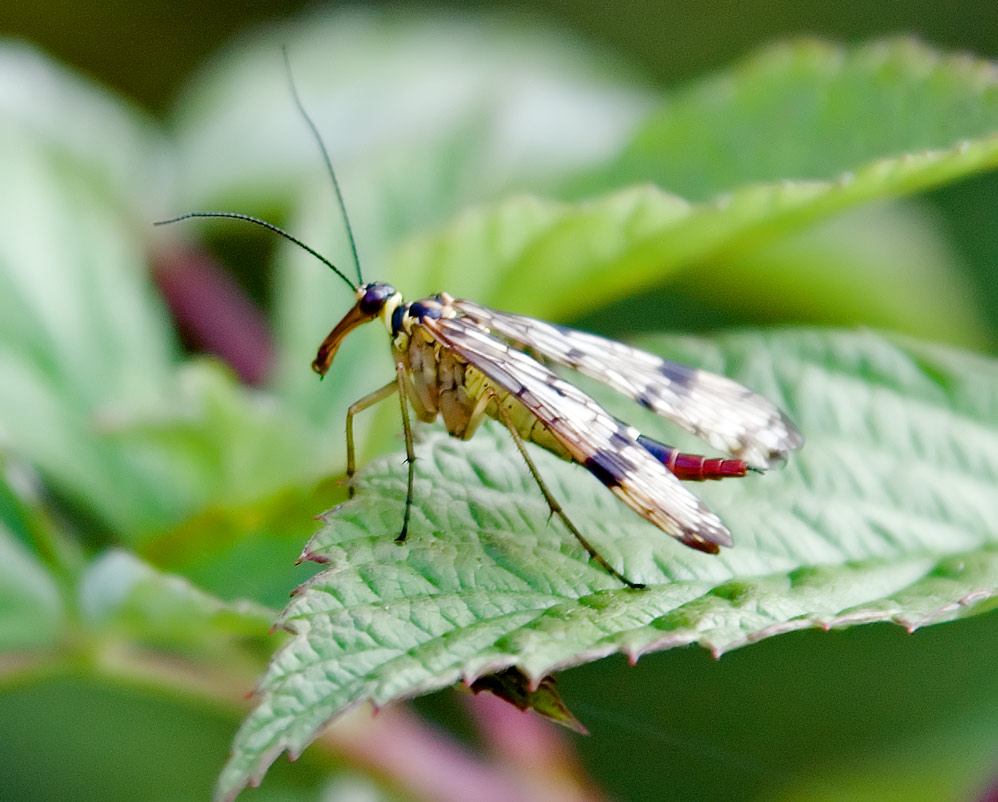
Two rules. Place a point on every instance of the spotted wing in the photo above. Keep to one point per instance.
(728, 416)
(595, 439)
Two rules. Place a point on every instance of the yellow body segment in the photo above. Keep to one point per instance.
(438, 382)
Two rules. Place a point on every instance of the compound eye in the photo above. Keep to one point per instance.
(374, 298)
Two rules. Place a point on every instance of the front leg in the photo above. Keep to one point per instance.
(359, 406)
(397, 385)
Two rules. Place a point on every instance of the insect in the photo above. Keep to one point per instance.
(463, 363)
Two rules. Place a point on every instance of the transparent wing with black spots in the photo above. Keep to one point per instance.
(723, 413)
(608, 448)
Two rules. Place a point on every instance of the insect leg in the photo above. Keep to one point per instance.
(553, 504)
(410, 456)
(359, 406)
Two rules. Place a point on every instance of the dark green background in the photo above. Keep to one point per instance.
(146, 49)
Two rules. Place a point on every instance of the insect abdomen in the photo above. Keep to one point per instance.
(527, 425)
(692, 467)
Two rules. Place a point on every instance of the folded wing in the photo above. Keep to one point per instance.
(608, 448)
(723, 413)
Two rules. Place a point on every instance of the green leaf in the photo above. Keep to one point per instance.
(421, 112)
(80, 327)
(32, 613)
(91, 394)
(751, 249)
(810, 110)
(885, 515)
(887, 266)
(642, 236)
(92, 397)
(120, 591)
(121, 148)
(80, 330)
(16, 487)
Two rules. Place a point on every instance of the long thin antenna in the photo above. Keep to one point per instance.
(325, 156)
(270, 227)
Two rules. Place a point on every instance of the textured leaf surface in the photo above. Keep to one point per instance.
(885, 515)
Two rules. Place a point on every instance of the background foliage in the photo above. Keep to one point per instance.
(152, 507)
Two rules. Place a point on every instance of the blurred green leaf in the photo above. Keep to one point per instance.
(31, 606)
(810, 110)
(120, 591)
(79, 324)
(422, 112)
(886, 266)
(605, 248)
(885, 515)
(121, 149)
(16, 480)
(213, 442)
(79, 330)
(92, 395)
(76, 301)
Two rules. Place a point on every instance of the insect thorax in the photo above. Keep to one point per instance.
(440, 382)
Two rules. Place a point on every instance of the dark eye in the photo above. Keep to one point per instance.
(374, 298)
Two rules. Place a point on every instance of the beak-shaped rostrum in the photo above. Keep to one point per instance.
(373, 300)
(354, 318)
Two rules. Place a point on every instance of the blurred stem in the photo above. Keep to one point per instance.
(214, 313)
(537, 749)
(991, 794)
(431, 765)
(393, 745)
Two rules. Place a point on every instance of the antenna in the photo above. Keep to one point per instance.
(325, 157)
(269, 226)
